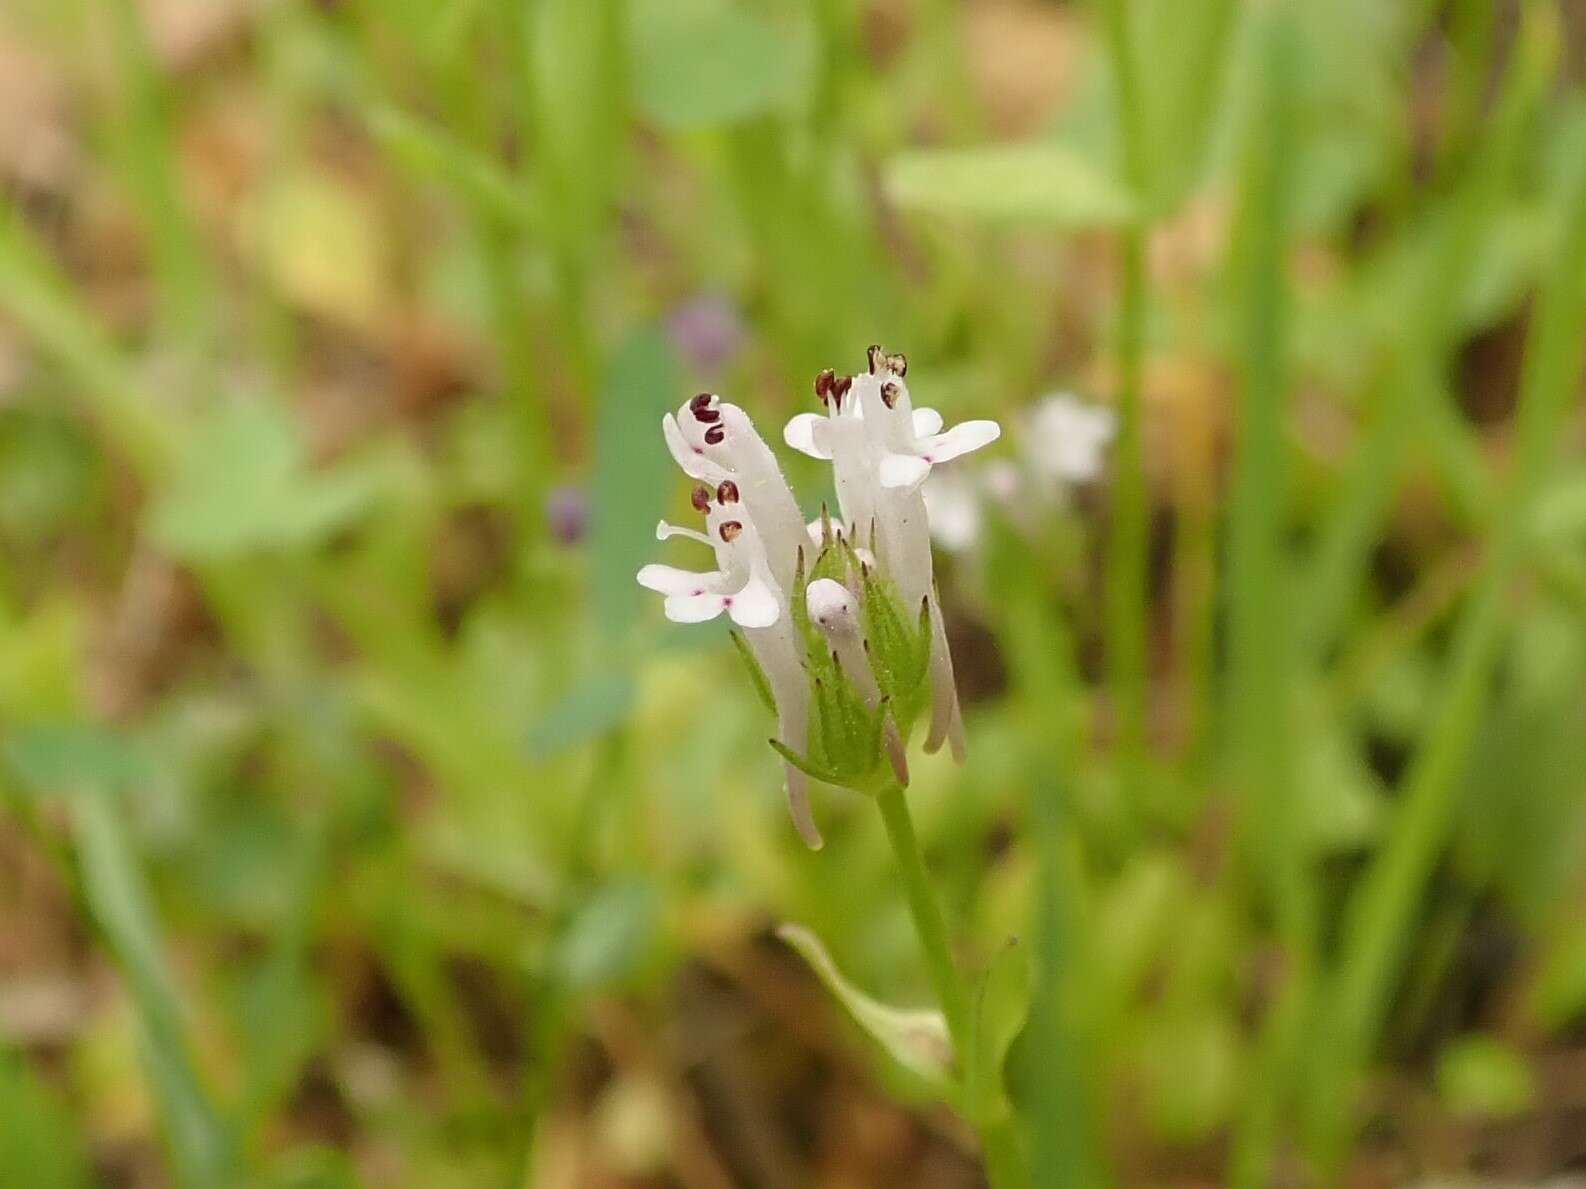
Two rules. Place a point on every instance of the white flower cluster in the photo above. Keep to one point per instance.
(1061, 443)
(881, 449)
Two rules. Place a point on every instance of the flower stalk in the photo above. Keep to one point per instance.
(1005, 1165)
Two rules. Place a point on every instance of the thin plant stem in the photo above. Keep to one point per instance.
(1126, 559)
(945, 980)
(998, 1139)
(1260, 626)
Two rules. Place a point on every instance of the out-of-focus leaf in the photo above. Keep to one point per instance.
(1341, 798)
(631, 476)
(39, 1145)
(243, 484)
(1558, 996)
(430, 152)
(703, 62)
(320, 242)
(1521, 812)
(1191, 1062)
(1560, 513)
(1002, 1002)
(1481, 1075)
(575, 59)
(609, 938)
(589, 710)
(74, 757)
(119, 901)
(39, 663)
(916, 1038)
(1133, 916)
(1035, 182)
(1183, 50)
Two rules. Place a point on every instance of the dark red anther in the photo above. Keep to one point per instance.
(700, 498)
(727, 492)
(874, 355)
(823, 384)
(898, 364)
(700, 407)
(889, 393)
(840, 387)
(715, 435)
(730, 529)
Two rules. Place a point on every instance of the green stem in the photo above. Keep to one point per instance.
(998, 1138)
(1126, 560)
(945, 979)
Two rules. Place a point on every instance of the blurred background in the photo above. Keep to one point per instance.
(361, 820)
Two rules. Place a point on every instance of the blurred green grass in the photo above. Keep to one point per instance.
(362, 822)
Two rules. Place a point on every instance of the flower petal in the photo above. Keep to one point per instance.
(927, 422)
(961, 439)
(669, 580)
(755, 606)
(695, 608)
(903, 470)
(692, 459)
(809, 433)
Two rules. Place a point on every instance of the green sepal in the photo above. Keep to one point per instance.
(756, 674)
(804, 764)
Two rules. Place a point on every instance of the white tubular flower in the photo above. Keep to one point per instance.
(882, 449)
(755, 572)
(741, 585)
(904, 442)
(713, 441)
(842, 625)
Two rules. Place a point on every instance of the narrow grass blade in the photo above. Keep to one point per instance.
(119, 902)
(1383, 907)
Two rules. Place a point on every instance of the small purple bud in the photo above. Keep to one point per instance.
(567, 514)
(706, 331)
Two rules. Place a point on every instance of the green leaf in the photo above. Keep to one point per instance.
(243, 484)
(429, 151)
(73, 757)
(632, 474)
(916, 1038)
(1481, 1075)
(703, 62)
(1037, 182)
(1192, 1064)
(40, 1145)
(1002, 1003)
(1183, 49)
(610, 936)
(1558, 996)
(119, 902)
(592, 708)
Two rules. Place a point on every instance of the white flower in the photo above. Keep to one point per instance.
(881, 449)
(865, 651)
(905, 442)
(952, 501)
(756, 561)
(1062, 443)
(1066, 439)
(741, 584)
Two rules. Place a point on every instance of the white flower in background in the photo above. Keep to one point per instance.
(840, 617)
(1066, 439)
(953, 503)
(1062, 444)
